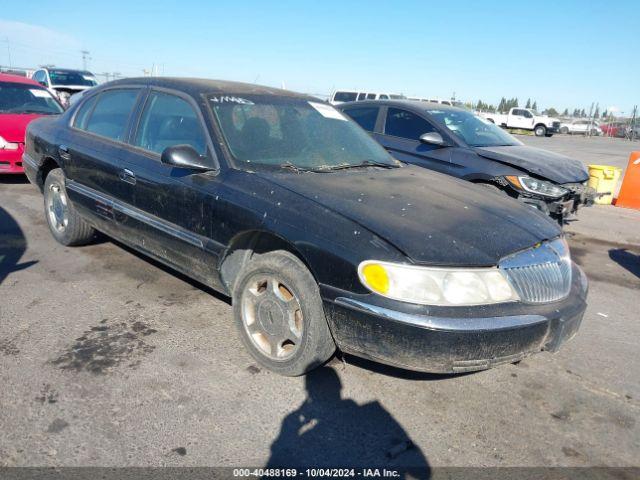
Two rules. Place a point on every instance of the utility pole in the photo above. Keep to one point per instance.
(85, 58)
(6, 39)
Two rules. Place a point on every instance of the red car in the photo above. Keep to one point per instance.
(614, 129)
(21, 100)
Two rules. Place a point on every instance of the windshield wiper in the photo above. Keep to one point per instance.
(295, 168)
(365, 163)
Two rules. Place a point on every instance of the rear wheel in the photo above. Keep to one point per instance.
(540, 131)
(278, 312)
(66, 226)
(564, 130)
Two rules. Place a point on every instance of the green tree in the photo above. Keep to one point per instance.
(528, 105)
(596, 114)
(604, 114)
(535, 105)
(583, 113)
(565, 113)
(552, 112)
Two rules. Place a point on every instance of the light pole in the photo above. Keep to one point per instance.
(85, 58)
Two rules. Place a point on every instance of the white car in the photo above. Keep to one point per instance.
(581, 127)
(64, 82)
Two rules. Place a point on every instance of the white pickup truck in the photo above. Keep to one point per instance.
(525, 119)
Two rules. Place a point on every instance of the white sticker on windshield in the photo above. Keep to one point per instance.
(327, 111)
(88, 77)
(231, 99)
(40, 93)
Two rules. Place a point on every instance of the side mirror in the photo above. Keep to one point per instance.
(432, 138)
(183, 156)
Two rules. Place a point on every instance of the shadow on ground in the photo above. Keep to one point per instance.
(13, 244)
(626, 259)
(13, 179)
(328, 430)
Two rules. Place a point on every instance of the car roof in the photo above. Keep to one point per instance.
(67, 70)
(197, 86)
(415, 105)
(7, 77)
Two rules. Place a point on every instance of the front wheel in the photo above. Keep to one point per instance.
(564, 130)
(540, 131)
(66, 226)
(278, 312)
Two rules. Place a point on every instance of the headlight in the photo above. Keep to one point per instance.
(4, 145)
(533, 185)
(435, 285)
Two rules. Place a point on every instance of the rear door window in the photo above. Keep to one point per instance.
(169, 120)
(365, 117)
(110, 116)
(405, 124)
(362, 96)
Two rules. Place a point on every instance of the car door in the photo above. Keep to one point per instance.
(528, 120)
(174, 206)
(516, 118)
(400, 135)
(92, 150)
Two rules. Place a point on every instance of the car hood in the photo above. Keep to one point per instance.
(13, 126)
(432, 218)
(552, 166)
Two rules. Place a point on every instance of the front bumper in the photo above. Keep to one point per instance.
(451, 339)
(11, 160)
(580, 196)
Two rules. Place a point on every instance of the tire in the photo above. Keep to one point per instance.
(285, 330)
(564, 130)
(540, 130)
(66, 226)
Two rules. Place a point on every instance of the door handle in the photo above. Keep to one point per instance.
(127, 176)
(63, 151)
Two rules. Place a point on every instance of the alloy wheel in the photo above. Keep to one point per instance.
(272, 316)
(57, 207)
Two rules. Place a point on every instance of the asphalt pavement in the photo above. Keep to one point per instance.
(109, 359)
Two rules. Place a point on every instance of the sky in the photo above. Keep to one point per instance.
(561, 53)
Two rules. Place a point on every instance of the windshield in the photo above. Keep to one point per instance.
(66, 77)
(293, 133)
(23, 98)
(473, 130)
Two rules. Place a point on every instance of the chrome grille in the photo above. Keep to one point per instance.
(540, 274)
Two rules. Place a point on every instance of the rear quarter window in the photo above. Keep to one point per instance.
(365, 117)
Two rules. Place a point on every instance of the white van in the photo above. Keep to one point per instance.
(341, 96)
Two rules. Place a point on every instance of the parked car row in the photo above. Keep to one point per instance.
(321, 238)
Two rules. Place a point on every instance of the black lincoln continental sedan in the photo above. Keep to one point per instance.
(456, 142)
(321, 238)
